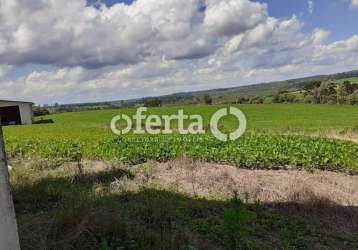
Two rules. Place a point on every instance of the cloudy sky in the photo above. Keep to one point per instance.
(84, 51)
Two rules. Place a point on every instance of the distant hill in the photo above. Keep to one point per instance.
(221, 95)
(262, 89)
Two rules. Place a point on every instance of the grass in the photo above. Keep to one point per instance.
(85, 135)
(63, 209)
(352, 80)
(272, 117)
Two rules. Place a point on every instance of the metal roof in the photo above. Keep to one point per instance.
(16, 101)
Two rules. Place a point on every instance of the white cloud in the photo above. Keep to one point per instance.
(354, 4)
(310, 6)
(155, 47)
(226, 18)
(319, 36)
(70, 33)
(4, 70)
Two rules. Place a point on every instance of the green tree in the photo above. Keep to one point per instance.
(342, 92)
(152, 102)
(325, 93)
(208, 99)
(242, 100)
(256, 100)
(40, 111)
(353, 98)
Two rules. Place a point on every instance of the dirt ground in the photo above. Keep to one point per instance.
(305, 210)
(216, 180)
(206, 179)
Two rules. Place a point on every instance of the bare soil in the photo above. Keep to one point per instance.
(207, 179)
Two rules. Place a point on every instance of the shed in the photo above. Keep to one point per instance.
(15, 112)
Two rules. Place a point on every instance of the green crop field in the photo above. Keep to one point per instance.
(352, 79)
(64, 199)
(270, 117)
(87, 135)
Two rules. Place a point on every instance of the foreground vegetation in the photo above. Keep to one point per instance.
(118, 207)
(63, 204)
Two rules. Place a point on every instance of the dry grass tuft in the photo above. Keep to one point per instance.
(206, 179)
(316, 196)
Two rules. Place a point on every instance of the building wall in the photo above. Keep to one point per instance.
(25, 110)
(9, 238)
(26, 113)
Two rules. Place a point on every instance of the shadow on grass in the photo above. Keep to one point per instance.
(87, 212)
(43, 121)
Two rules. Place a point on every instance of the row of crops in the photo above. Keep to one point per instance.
(259, 151)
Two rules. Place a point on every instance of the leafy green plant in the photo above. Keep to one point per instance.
(257, 151)
(235, 220)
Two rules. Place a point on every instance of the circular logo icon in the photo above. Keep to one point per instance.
(114, 122)
(214, 122)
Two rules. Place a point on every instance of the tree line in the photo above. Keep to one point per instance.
(323, 92)
(317, 92)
